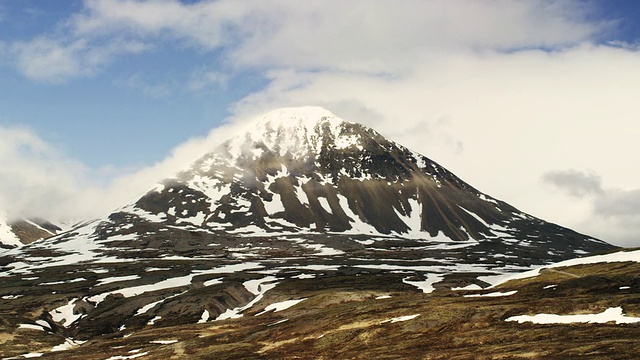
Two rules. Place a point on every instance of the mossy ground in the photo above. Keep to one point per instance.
(342, 319)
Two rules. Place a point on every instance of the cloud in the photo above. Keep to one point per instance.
(379, 36)
(575, 183)
(613, 214)
(385, 36)
(57, 60)
(616, 217)
(202, 79)
(328, 34)
(619, 203)
(48, 59)
(34, 174)
(208, 24)
(37, 179)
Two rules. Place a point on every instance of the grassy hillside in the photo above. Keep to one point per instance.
(377, 317)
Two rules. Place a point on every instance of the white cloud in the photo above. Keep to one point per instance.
(203, 79)
(384, 36)
(37, 179)
(206, 23)
(56, 60)
(34, 175)
(327, 31)
(47, 59)
(371, 36)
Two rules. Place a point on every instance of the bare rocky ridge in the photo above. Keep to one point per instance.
(301, 200)
(32, 230)
(23, 231)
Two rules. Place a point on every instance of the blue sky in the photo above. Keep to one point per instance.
(126, 113)
(100, 98)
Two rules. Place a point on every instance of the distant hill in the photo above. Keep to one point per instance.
(18, 232)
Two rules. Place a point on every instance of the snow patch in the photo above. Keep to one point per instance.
(280, 306)
(259, 288)
(323, 250)
(468, 287)
(31, 327)
(493, 294)
(610, 315)
(153, 321)
(304, 276)
(400, 319)
(425, 285)
(176, 281)
(212, 282)
(205, 317)
(278, 322)
(10, 297)
(163, 342)
(124, 357)
(116, 279)
(325, 204)
(32, 355)
(67, 344)
(64, 314)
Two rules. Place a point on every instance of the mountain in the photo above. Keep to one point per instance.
(305, 170)
(301, 204)
(18, 232)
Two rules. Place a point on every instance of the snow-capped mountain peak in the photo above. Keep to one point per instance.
(296, 131)
(306, 170)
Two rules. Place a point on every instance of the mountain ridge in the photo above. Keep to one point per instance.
(21, 231)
